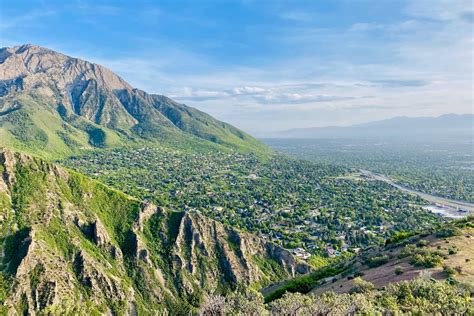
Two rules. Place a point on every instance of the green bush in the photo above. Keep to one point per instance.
(427, 260)
(449, 271)
(303, 284)
(361, 286)
(448, 231)
(452, 250)
(398, 270)
(398, 237)
(377, 261)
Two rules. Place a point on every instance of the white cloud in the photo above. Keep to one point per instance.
(419, 64)
(442, 10)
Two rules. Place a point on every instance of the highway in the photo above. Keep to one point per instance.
(451, 206)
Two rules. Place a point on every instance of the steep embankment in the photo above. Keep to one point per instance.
(72, 245)
(56, 105)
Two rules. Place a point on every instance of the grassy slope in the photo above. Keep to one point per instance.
(339, 278)
(38, 128)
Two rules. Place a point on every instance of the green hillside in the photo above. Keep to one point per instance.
(56, 106)
(71, 245)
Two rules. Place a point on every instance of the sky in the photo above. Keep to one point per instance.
(265, 65)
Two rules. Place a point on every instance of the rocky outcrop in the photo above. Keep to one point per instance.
(101, 284)
(236, 253)
(33, 62)
(81, 248)
(101, 238)
(147, 210)
(42, 280)
(7, 161)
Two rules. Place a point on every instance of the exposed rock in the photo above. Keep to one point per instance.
(102, 285)
(147, 210)
(8, 161)
(30, 60)
(92, 106)
(62, 263)
(99, 233)
(43, 279)
(201, 238)
(102, 239)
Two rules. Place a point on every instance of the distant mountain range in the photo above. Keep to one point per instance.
(402, 128)
(55, 105)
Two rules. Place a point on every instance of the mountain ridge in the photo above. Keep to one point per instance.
(72, 245)
(52, 102)
(405, 127)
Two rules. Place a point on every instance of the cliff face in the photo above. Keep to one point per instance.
(73, 245)
(50, 102)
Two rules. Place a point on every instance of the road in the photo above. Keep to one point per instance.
(450, 206)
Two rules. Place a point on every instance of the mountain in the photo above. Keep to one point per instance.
(56, 105)
(447, 126)
(71, 245)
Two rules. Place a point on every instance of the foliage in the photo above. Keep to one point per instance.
(399, 237)
(448, 231)
(5, 285)
(419, 296)
(427, 260)
(376, 261)
(290, 202)
(303, 284)
(361, 286)
(433, 167)
(449, 271)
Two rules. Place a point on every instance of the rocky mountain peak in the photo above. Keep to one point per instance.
(45, 64)
(49, 99)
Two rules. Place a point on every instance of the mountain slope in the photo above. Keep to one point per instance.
(443, 253)
(71, 245)
(51, 103)
(405, 128)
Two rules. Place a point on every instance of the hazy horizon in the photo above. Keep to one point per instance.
(267, 67)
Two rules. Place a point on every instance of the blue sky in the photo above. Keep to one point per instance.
(270, 65)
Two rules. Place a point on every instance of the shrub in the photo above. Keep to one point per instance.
(449, 271)
(303, 284)
(452, 250)
(377, 261)
(422, 243)
(398, 270)
(408, 251)
(427, 260)
(398, 237)
(448, 231)
(361, 286)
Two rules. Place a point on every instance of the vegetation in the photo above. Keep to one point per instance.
(293, 203)
(434, 167)
(422, 256)
(419, 296)
(303, 284)
(376, 261)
